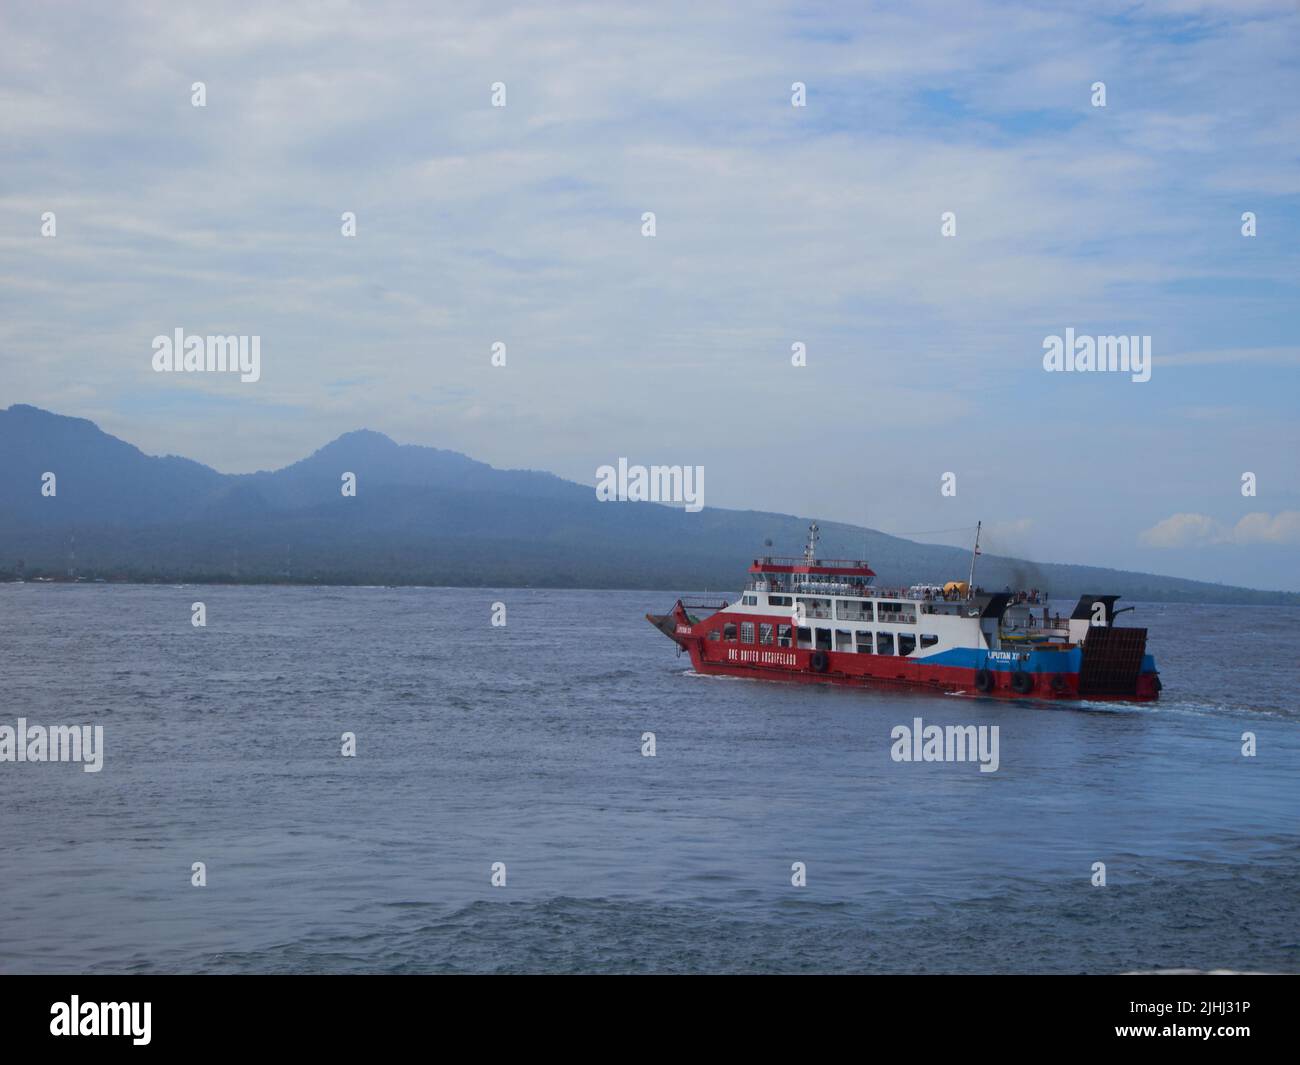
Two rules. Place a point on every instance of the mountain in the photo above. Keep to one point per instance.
(426, 516)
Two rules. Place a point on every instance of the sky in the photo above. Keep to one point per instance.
(775, 225)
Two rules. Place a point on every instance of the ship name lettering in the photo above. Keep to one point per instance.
(762, 658)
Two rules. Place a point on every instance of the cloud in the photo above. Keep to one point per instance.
(1260, 528)
(1286, 356)
(1200, 530)
(1182, 530)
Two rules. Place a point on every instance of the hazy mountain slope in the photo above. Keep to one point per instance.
(99, 478)
(423, 515)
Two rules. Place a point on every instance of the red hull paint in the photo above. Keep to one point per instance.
(896, 672)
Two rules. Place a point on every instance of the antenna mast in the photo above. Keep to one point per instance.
(810, 552)
(970, 584)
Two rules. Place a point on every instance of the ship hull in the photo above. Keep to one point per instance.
(948, 680)
(1112, 666)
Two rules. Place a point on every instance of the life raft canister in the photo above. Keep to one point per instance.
(1021, 682)
(984, 680)
(818, 662)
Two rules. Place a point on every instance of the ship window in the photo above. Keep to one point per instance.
(897, 613)
(843, 640)
(778, 600)
(746, 632)
(805, 636)
(815, 608)
(927, 640)
(823, 639)
(765, 633)
(749, 600)
(864, 643)
(884, 643)
(906, 643)
(851, 610)
(729, 631)
(783, 633)
(715, 635)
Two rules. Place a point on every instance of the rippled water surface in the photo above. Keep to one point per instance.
(523, 745)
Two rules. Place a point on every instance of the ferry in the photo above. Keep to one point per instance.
(824, 621)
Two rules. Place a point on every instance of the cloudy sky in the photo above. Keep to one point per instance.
(775, 225)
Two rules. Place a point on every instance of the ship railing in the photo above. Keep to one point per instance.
(711, 605)
(830, 589)
(799, 560)
(809, 588)
(853, 591)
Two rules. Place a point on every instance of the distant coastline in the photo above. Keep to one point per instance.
(722, 588)
(425, 517)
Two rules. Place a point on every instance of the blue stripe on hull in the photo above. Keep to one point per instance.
(1009, 661)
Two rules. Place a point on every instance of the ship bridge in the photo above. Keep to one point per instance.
(829, 576)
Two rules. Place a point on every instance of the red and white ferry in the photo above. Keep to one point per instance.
(824, 621)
